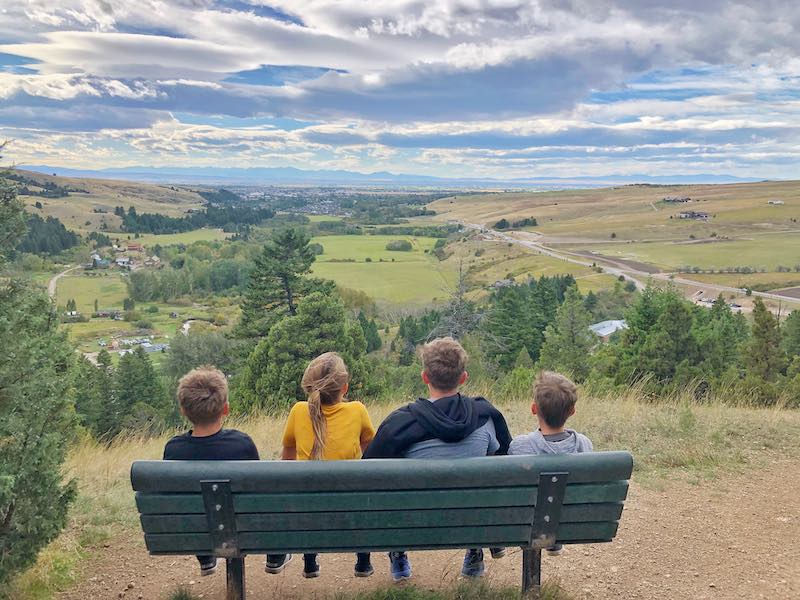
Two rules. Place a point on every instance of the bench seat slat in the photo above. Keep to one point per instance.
(159, 503)
(378, 539)
(573, 513)
(390, 474)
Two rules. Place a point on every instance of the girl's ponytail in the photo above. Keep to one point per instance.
(318, 424)
(323, 381)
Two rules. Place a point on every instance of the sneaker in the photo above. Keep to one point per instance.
(497, 552)
(310, 566)
(209, 567)
(400, 567)
(473, 563)
(277, 563)
(555, 550)
(363, 567)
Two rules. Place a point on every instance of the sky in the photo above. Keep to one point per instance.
(455, 88)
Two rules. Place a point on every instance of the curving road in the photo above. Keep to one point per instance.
(639, 278)
(53, 283)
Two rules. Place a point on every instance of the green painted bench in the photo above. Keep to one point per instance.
(234, 508)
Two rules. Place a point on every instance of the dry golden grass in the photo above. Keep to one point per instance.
(668, 438)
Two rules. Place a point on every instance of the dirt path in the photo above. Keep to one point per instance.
(51, 285)
(735, 537)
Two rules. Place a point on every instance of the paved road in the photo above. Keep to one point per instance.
(51, 286)
(639, 278)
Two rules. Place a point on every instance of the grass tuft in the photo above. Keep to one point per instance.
(464, 591)
(182, 594)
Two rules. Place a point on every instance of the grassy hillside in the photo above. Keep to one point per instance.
(636, 212)
(76, 211)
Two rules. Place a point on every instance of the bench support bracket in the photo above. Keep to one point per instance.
(235, 576)
(546, 518)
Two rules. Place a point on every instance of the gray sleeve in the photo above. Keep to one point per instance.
(493, 445)
(519, 446)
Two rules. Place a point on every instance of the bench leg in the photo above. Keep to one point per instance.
(531, 572)
(235, 573)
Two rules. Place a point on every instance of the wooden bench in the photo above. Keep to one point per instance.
(234, 508)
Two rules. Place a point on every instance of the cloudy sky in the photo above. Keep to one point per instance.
(502, 88)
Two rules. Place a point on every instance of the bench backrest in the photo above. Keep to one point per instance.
(230, 508)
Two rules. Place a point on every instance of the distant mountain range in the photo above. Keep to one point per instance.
(293, 176)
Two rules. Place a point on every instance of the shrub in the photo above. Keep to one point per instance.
(152, 309)
(399, 246)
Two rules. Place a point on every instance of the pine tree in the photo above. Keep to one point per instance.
(278, 282)
(568, 340)
(791, 335)
(135, 382)
(36, 410)
(764, 356)
(271, 377)
(371, 334)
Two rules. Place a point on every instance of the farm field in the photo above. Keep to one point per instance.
(108, 289)
(635, 212)
(768, 281)
(767, 251)
(188, 237)
(413, 278)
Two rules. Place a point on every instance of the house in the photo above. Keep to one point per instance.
(108, 312)
(605, 329)
(775, 202)
(153, 261)
(676, 199)
(123, 262)
(694, 214)
(134, 247)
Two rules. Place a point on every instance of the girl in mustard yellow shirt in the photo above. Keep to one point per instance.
(327, 427)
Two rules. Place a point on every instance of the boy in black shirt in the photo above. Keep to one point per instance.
(203, 400)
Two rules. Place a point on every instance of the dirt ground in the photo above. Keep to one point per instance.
(733, 537)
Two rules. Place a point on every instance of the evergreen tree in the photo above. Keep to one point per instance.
(670, 345)
(135, 383)
(36, 411)
(278, 282)
(791, 335)
(271, 376)
(763, 355)
(371, 334)
(568, 340)
(92, 393)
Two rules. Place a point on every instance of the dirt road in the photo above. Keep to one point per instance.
(731, 538)
(53, 283)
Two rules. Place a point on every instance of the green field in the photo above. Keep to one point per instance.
(188, 237)
(108, 289)
(413, 278)
(764, 251)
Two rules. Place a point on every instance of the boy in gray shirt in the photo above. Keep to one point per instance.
(554, 398)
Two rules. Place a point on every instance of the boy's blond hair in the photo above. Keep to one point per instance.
(555, 398)
(203, 394)
(444, 361)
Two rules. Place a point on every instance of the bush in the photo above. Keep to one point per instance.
(399, 246)
(144, 324)
(152, 309)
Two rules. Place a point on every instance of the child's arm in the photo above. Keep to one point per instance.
(289, 451)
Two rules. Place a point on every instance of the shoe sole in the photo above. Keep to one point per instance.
(364, 573)
(498, 554)
(399, 578)
(276, 570)
(311, 575)
(556, 553)
(207, 572)
(473, 575)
